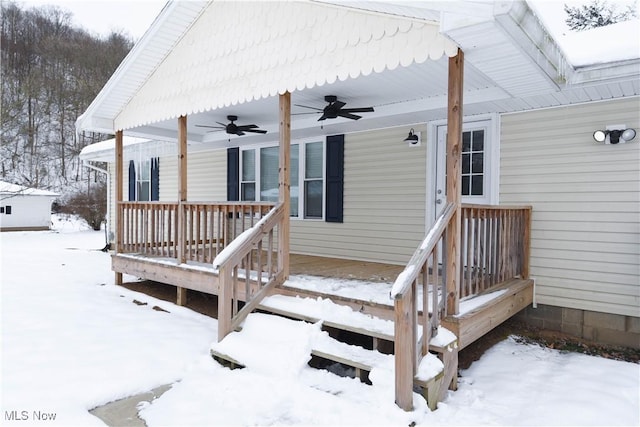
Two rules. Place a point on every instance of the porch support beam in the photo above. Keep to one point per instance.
(118, 197)
(454, 179)
(182, 197)
(284, 184)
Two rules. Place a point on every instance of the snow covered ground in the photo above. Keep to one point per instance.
(71, 341)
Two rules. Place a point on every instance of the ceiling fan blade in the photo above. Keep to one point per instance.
(348, 115)
(211, 127)
(338, 104)
(247, 127)
(239, 133)
(323, 117)
(255, 130)
(311, 108)
(358, 110)
(304, 114)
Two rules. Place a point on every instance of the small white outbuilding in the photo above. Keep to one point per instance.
(23, 208)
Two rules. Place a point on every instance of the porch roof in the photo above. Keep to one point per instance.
(211, 59)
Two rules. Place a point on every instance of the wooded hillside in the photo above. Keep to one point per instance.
(51, 71)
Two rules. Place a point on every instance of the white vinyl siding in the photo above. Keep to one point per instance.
(206, 177)
(585, 248)
(384, 202)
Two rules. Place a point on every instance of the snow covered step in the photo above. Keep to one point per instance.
(359, 358)
(330, 314)
(431, 368)
(444, 341)
(342, 317)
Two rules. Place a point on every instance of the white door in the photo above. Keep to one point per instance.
(478, 152)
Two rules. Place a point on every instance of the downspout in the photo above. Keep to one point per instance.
(87, 164)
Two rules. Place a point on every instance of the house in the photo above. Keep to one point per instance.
(23, 208)
(455, 139)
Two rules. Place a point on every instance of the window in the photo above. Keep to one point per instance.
(7, 210)
(263, 174)
(313, 180)
(144, 180)
(473, 163)
(248, 179)
(1, 209)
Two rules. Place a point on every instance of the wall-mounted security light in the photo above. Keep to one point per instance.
(614, 136)
(413, 139)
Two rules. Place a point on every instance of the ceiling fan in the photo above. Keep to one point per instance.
(233, 129)
(335, 109)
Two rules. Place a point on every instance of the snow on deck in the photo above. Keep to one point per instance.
(361, 290)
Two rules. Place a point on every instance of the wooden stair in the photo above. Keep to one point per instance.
(374, 349)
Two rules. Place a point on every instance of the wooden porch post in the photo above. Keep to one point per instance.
(454, 179)
(182, 197)
(118, 183)
(284, 185)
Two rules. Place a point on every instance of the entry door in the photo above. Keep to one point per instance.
(475, 165)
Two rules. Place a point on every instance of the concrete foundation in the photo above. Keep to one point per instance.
(603, 328)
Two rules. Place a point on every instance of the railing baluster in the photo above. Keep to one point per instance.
(270, 262)
(435, 305)
(426, 319)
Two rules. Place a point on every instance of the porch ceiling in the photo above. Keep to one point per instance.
(511, 64)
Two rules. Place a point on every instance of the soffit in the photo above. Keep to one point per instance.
(276, 47)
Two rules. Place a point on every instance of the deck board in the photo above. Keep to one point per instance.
(344, 268)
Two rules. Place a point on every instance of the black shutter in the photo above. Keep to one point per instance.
(233, 174)
(155, 179)
(335, 178)
(132, 181)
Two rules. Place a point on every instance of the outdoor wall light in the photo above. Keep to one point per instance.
(614, 136)
(413, 138)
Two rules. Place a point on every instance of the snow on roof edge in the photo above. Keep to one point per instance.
(9, 188)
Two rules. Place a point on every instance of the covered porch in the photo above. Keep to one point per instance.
(240, 251)
(492, 269)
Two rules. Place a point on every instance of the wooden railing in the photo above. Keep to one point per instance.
(248, 268)
(413, 332)
(494, 246)
(210, 227)
(149, 228)
(152, 228)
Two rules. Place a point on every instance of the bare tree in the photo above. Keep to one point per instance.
(596, 14)
(51, 71)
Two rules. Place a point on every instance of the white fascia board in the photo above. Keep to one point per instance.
(531, 37)
(609, 72)
(94, 124)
